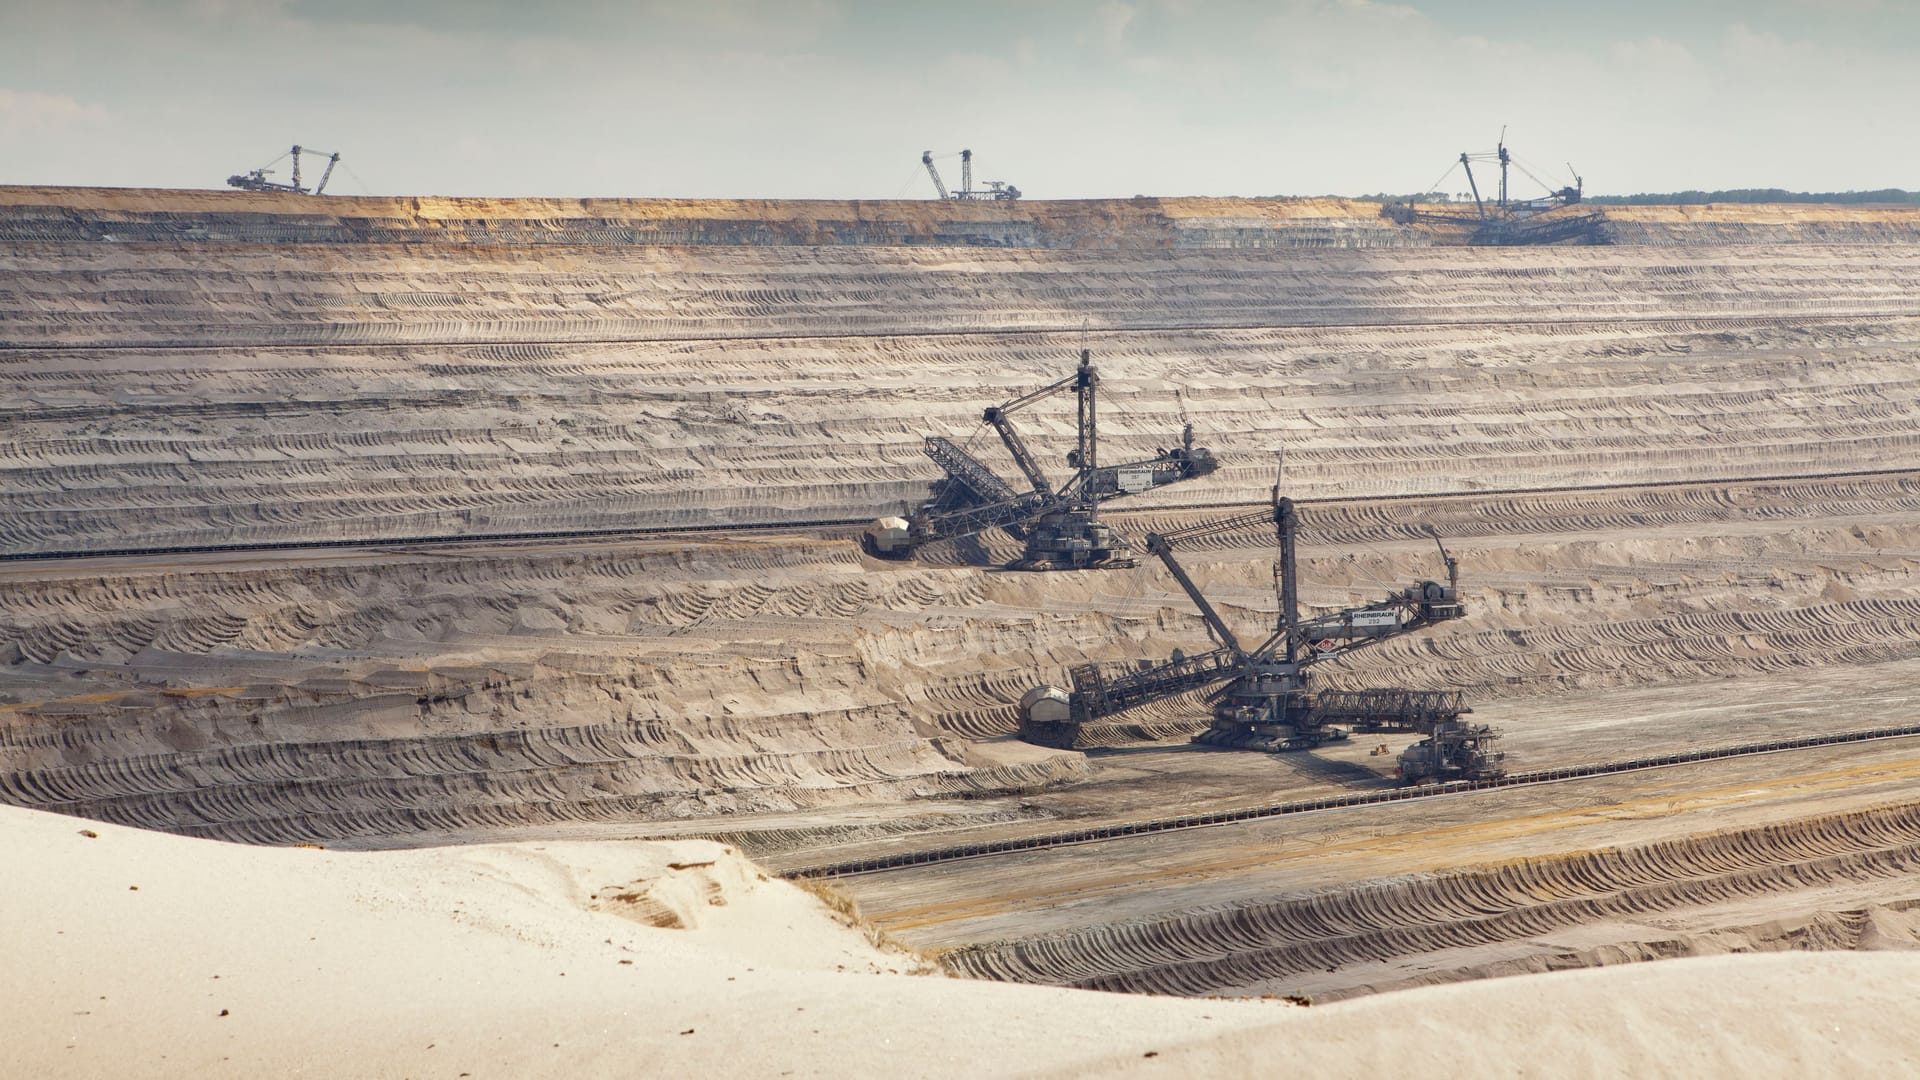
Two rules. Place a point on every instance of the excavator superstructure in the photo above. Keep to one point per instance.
(995, 191)
(1263, 697)
(256, 180)
(1060, 526)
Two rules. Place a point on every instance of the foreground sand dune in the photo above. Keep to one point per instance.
(138, 953)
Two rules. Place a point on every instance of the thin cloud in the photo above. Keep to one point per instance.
(1114, 17)
(32, 109)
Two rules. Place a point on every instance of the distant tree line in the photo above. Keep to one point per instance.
(1383, 197)
(1693, 198)
(1756, 195)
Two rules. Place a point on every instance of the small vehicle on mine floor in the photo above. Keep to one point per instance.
(1453, 750)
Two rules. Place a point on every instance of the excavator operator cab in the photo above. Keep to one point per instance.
(1439, 602)
(1272, 678)
(1194, 460)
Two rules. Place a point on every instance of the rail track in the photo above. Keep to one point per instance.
(822, 527)
(1099, 833)
(831, 528)
(1713, 322)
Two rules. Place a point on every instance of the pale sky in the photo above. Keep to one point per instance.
(1065, 98)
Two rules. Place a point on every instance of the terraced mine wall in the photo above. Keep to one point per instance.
(170, 381)
(134, 216)
(48, 214)
(176, 370)
(1757, 224)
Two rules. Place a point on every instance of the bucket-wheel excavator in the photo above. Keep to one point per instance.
(1263, 697)
(1060, 527)
(256, 180)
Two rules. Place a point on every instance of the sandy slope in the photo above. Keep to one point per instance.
(498, 960)
(160, 955)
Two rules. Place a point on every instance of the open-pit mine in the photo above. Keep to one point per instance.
(383, 522)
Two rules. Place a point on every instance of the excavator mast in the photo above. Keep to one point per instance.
(1216, 626)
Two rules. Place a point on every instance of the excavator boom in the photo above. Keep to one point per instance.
(1022, 457)
(1000, 416)
(939, 185)
(1158, 545)
(321, 187)
(966, 521)
(1098, 692)
(968, 471)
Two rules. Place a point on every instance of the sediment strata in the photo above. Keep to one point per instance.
(186, 390)
(1290, 944)
(1674, 468)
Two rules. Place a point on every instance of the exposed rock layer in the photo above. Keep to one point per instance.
(189, 369)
